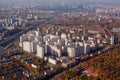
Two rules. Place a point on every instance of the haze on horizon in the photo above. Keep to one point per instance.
(75, 2)
(64, 1)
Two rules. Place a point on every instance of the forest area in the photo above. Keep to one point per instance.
(106, 66)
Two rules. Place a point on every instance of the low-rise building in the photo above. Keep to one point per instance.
(52, 61)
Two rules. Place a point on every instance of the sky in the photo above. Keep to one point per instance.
(70, 1)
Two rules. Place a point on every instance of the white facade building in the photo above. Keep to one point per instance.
(41, 50)
(71, 52)
(86, 48)
(52, 61)
(63, 35)
(28, 46)
(112, 40)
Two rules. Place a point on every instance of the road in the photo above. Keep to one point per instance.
(8, 42)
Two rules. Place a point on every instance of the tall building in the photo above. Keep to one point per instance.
(86, 48)
(112, 39)
(41, 50)
(79, 51)
(55, 50)
(2, 52)
(71, 52)
(28, 46)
